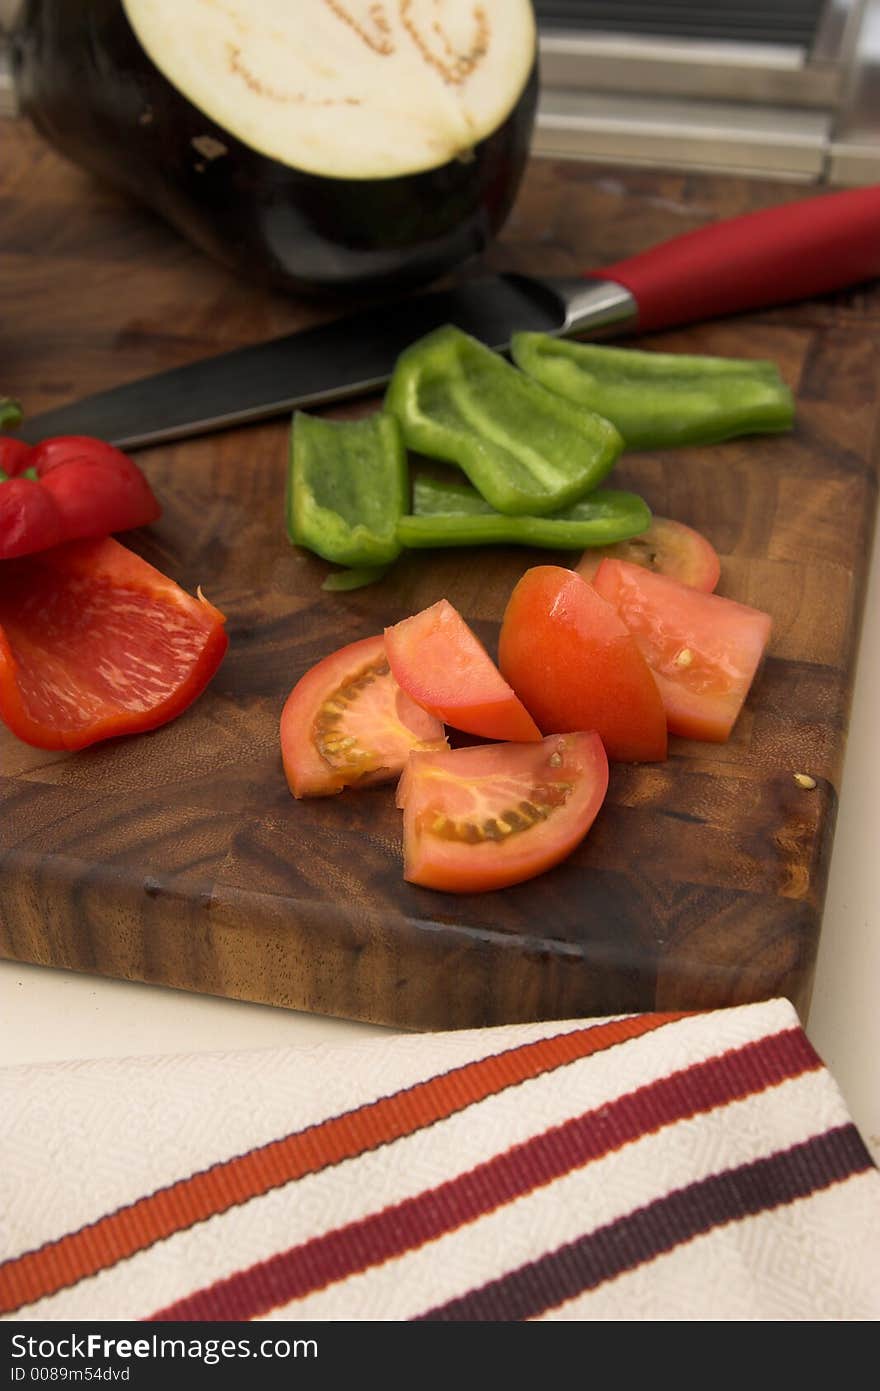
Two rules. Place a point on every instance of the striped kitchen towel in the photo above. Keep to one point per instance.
(653, 1166)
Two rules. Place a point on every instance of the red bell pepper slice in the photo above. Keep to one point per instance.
(61, 449)
(89, 489)
(30, 518)
(95, 642)
(14, 456)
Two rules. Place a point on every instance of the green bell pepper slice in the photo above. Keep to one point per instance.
(454, 514)
(659, 400)
(524, 449)
(341, 581)
(348, 487)
(10, 413)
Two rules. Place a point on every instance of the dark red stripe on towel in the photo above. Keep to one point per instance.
(62, 1263)
(407, 1225)
(660, 1226)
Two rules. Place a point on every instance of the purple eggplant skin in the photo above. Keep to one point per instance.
(86, 84)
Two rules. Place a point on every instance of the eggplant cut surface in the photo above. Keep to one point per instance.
(346, 90)
(330, 145)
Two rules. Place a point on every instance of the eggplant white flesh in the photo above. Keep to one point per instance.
(345, 145)
(346, 88)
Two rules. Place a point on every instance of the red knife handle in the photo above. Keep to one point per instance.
(775, 256)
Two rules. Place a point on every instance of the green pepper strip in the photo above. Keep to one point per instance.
(660, 399)
(454, 514)
(356, 578)
(10, 413)
(347, 488)
(526, 450)
(29, 473)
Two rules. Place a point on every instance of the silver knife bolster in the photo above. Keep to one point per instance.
(597, 307)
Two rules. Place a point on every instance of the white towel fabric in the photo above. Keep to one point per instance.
(655, 1166)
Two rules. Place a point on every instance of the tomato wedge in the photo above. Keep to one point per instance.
(669, 548)
(575, 665)
(442, 664)
(347, 723)
(94, 642)
(491, 815)
(704, 650)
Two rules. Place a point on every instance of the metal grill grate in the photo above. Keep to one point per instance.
(793, 22)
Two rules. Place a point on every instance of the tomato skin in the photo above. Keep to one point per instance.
(550, 791)
(66, 612)
(386, 725)
(667, 547)
(575, 665)
(704, 649)
(441, 663)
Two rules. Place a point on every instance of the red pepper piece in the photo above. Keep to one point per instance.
(95, 642)
(30, 518)
(94, 489)
(99, 496)
(59, 449)
(15, 456)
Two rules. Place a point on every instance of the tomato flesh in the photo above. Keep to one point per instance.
(492, 815)
(347, 723)
(439, 661)
(703, 649)
(668, 548)
(575, 665)
(94, 642)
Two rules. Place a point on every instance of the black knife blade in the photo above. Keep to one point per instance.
(347, 357)
(773, 256)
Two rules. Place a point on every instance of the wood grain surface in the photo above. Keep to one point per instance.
(179, 856)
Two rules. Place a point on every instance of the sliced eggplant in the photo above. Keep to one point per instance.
(344, 145)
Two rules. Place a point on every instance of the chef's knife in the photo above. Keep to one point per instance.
(776, 256)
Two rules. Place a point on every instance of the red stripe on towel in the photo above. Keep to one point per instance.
(62, 1263)
(409, 1224)
(660, 1226)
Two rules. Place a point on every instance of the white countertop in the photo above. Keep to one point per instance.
(48, 1014)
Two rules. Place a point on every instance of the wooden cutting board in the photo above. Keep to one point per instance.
(179, 857)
